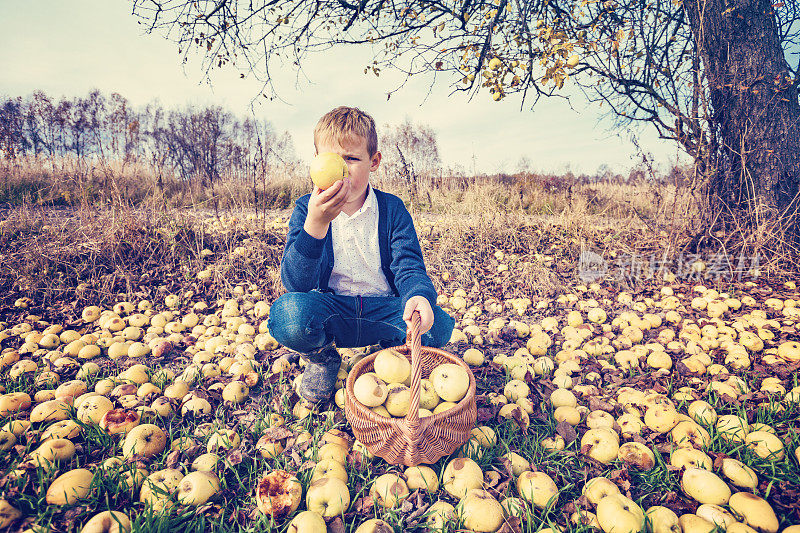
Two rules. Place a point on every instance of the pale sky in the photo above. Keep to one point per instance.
(69, 48)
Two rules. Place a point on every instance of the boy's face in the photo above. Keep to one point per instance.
(359, 166)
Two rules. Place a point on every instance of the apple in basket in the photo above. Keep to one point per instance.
(450, 381)
(386, 391)
(392, 367)
(370, 390)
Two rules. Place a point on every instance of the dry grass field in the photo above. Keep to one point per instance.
(668, 369)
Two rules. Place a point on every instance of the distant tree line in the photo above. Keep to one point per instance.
(195, 143)
(205, 144)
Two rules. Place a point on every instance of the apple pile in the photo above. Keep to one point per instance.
(613, 511)
(689, 386)
(328, 495)
(386, 390)
(48, 419)
(714, 350)
(280, 493)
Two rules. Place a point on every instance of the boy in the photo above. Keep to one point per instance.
(352, 264)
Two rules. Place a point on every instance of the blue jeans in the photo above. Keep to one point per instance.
(307, 321)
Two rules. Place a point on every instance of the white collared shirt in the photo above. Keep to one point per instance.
(356, 253)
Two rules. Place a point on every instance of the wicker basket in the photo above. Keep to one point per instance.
(412, 440)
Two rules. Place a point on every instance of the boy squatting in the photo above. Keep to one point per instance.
(352, 264)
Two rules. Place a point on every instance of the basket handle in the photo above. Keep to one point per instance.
(414, 342)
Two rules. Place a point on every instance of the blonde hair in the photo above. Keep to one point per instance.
(341, 124)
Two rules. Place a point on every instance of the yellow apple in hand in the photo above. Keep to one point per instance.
(327, 168)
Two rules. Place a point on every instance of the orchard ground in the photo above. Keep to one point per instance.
(581, 320)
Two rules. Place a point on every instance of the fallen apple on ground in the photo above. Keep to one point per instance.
(145, 439)
(618, 514)
(439, 514)
(480, 511)
(108, 522)
(69, 487)
(461, 475)
(598, 488)
(196, 488)
(307, 522)
(422, 477)
(584, 362)
(159, 487)
(389, 490)
(705, 486)
(662, 520)
(374, 525)
(537, 488)
(328, 497)
(279, 494)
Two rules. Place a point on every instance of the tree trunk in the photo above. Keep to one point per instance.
(755, 106)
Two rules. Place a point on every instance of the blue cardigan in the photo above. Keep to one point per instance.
(307, 262)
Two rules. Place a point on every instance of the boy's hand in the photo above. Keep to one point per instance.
(324, 206)
(421, 304)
